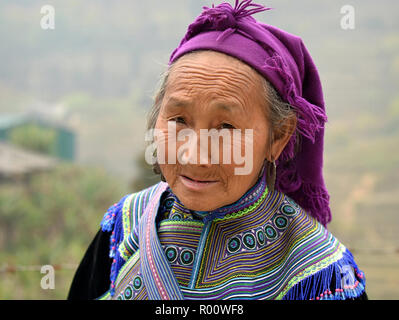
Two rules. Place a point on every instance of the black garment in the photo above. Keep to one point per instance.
(92, 276)
(91, 279)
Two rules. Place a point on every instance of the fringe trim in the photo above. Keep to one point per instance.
(314, 200)
(113, 221)
(341, 280)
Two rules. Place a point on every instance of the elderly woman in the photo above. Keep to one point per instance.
(218, 229)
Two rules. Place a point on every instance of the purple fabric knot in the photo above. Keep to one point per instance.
(222, 17)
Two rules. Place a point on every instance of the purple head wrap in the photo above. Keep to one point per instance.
(285, 62)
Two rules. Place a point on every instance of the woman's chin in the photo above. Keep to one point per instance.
(199, 201)
(199, 196)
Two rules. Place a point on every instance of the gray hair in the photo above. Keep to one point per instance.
(277, 111)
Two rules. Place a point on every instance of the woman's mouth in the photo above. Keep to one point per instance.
(196, 184)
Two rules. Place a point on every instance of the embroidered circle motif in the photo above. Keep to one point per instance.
(288, 209)
(176, 216)
(233, 245)
(128, 293)
(260, 236)
(187, 256)
(249, 240)
(137, 282)
(171, 254)
(281, 222)
(169, 203)
(270, 232)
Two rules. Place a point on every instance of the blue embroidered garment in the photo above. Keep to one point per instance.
(263, 246)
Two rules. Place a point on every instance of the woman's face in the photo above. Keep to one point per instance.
(210, 90)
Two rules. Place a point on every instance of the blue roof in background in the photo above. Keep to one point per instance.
(9, 120)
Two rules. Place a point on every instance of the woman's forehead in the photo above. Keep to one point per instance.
(214, 71)
(212, 62)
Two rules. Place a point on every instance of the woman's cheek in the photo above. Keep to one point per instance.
(170, 172)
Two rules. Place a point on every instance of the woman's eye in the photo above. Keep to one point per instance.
(179, 120)
(226, 126)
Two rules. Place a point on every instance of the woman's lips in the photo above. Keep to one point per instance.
(196, 184)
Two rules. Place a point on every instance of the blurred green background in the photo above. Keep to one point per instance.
(73, 102)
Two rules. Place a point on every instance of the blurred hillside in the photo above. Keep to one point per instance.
(101, 66)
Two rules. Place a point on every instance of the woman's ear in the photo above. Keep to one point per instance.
(281, 136)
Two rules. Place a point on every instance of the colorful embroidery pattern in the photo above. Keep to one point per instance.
(129, 284)
(179, 240)
(264, 235)
(264, 246)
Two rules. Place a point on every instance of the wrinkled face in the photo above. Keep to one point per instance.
(210, 90)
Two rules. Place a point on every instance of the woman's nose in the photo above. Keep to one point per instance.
(196, 149)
